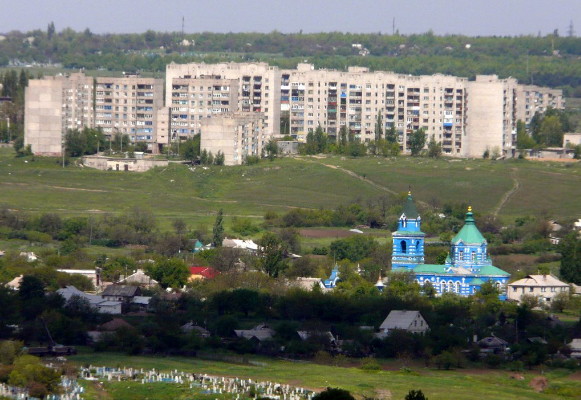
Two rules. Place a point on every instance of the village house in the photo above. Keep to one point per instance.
(544, 287)
(492, 345)
(121, 293)
(139, 278)
(409, 321)
(202, 272)
(101, 305)
(259, 333)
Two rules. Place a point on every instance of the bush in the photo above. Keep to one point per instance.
(370, 364)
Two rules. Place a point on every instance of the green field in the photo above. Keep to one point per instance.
(42, 185)
(464, 384)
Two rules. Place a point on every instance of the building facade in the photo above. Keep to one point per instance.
(129, 105)
(225, 88)
(236, 135)
(468, 265)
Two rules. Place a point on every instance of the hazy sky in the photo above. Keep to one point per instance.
(470, 17)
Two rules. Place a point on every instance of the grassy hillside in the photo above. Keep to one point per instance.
(511, 188)
(436, 385)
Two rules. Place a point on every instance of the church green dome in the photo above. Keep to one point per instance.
(469, 234)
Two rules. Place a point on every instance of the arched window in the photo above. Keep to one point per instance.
(443, 287)
(403, 246)
(417, 246)
(450, 286)
(458, 287)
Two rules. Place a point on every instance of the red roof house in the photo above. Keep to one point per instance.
(202, 273)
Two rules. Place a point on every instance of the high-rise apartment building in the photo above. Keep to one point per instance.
(533, 99)
(129, 106)
(354, 99)
(54, 105)
(491, 116)
(257, 89)
(193, 100)
(236, 135)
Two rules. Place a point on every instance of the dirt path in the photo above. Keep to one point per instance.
(361, 178)
(507, 195)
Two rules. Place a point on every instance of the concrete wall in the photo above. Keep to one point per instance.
(122, 164)
(43, 129)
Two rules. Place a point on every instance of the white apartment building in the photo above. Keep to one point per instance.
(54, 105)
(258, 90)
(354, 99)
(193, 100)
(129, 106)
(491, 116)
(533, 99)
(467, 117)
(236, 135)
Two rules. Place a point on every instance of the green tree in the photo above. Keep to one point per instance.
(334, 394)
(271, 149)
(434, 148)
(190, 149)
(29, 372)
(171, 272)
(378, 126)
(272, 251)
(551, 131)
(391, 134)
(218, 230)
(417, 141)
(219, 159)
(415, 395)
(523, 139)
(570, 249)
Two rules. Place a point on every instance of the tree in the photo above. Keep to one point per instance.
(570, 248)
(417, 141)
(415, 395)
(218, 231)
(378, 127)
(391, 134)
(334, 394)
(523, 139)
(434, 148)
(271, 149)
(190, 149)
(271, 252)
(171, 272)
(29, 372)
(219, 159)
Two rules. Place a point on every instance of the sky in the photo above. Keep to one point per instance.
(468, 17)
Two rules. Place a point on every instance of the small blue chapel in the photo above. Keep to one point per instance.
(467, 266)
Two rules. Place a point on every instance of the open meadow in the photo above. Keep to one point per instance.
(460, 384)
(508, 188)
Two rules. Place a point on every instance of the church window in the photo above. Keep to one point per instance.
(450, 286)
(473, 256)
(417, 246)
(443, 287)
(403, 246)
(457, 287)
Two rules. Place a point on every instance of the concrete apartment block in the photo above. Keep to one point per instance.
(532, 99)
(129, 105)
(236, 135)
(43, 125)
(192, 100)
(491, 116)
(258, 86)
(355, 97)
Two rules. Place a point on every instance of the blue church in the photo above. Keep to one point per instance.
(467, 266)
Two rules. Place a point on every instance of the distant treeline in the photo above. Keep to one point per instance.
(549, 60)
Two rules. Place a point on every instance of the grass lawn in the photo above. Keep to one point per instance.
(42, 185)
(457, 384)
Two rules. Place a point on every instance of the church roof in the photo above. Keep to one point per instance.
(409, 208)
(492, 270)
(469, 234)
(431, 269)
